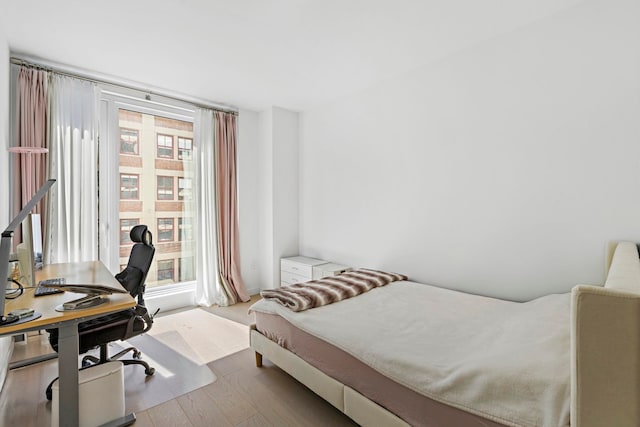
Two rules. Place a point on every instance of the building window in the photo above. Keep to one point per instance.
(129, 185)
(185, 148)
(165, 229)
(165, 269)
(185, 229)
(184, 188)
(125, 228)
(186, 269)
(129, 141)
(165, 187)
(165, 146)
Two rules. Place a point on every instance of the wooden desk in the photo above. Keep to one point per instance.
(93, 272)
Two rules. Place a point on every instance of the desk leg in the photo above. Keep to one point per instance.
(68, 348)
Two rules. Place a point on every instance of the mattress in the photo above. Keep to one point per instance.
(412, 407)
(504, 361)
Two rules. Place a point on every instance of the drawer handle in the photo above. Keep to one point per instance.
(294, 268)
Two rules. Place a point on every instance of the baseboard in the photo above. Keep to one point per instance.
(173, 299)
(170, 300)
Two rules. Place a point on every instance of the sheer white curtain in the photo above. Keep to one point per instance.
(72, 221)
(208, 289)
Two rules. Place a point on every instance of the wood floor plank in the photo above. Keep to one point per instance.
(235, 406)
(169, 414)
(257, 420)
(269, 404)
(232, 363)
(202, 410)
(275, 392)
(143, 419)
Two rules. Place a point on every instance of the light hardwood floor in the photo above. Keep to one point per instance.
(243, 395)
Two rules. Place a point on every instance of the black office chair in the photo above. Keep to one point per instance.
(124, 324)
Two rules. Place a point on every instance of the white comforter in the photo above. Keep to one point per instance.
(505, 361)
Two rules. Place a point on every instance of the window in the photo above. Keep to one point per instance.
(129, 186)
(186, 269)
(165, 146)
(165, 269)
(165, 187)
(125, 228)
(185, 148)
(148, 187)
(129, 141)
(185, 229)
(165, 229)
(184, 188)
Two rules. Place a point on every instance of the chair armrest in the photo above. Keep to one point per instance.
(605, 357)
(139, 312)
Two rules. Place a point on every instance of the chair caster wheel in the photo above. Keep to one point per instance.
(86, 363)
(137, 354)
(150, 371)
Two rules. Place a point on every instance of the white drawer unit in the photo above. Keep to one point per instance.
(300, 269)
(291, 278)
(297, 269)
(329, 269)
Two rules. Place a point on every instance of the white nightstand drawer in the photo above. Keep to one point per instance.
(292, 278)
(329, 269)
(300, 265)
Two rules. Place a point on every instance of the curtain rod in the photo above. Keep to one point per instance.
(126, 84)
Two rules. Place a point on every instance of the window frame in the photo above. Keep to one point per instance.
(112, 100)
(184, 178)
(130, 242)
(137, 131)
(173, 269)
(137, 185)
(158, 198)
(181, 224)
(181, 150)
(173, 223)
(158, 135)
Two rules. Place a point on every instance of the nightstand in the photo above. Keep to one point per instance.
(299, 269)
(329, 269)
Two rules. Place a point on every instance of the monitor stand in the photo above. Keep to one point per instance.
(10, 320)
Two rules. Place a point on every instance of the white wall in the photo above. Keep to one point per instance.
(4, 131)
(248, 200)
(6, 343)
(502, 170)
(286, 155)
(278, 170)
(265, 199)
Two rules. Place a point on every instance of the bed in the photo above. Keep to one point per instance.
(413, 354)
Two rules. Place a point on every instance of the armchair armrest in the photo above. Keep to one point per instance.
(605, 357)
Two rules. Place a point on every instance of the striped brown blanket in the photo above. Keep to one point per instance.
(303, 296)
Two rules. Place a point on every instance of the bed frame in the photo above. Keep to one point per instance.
(605, 354)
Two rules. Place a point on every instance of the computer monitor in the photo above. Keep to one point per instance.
(30, 250)
(5, 246)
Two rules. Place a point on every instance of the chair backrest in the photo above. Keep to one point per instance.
(133, 277)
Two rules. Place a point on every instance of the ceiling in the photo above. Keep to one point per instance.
(253, 54)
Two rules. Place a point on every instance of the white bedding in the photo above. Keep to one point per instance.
(506, 361)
